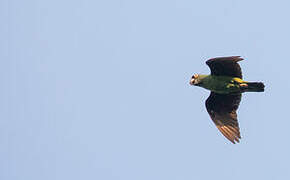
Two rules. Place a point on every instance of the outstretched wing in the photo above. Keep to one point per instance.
(222, 110)
(225, 66)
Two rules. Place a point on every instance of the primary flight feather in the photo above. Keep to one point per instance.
(226, 85)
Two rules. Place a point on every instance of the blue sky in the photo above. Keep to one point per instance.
(99, 89)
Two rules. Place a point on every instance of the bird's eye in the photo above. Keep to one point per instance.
(195, 76)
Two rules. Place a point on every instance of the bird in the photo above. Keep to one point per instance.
(226, 85)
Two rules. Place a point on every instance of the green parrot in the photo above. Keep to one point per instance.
(226, 85)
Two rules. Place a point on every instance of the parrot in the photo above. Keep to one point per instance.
(226, 85)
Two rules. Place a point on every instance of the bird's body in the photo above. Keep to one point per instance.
(226, 85)
(221, 84)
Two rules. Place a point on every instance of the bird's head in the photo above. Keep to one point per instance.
(195, 80)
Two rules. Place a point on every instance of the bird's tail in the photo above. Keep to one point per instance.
(254, 87)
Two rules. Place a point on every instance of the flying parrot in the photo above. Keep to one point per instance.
(226, 85)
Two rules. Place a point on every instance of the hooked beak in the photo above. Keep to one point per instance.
(192, 82)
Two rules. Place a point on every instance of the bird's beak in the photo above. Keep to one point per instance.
(192, 82)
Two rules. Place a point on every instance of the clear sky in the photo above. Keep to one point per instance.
(100, 90)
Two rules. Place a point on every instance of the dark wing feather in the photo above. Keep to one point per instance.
(222, 110)
(225, 66)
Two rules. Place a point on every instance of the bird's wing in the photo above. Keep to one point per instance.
(222, 110)
(225, 66)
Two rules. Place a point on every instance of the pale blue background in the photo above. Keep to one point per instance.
(99, 89)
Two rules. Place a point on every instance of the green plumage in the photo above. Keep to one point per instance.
(226, 85)
(220, 84)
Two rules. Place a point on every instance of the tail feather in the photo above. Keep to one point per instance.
(254, 87)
